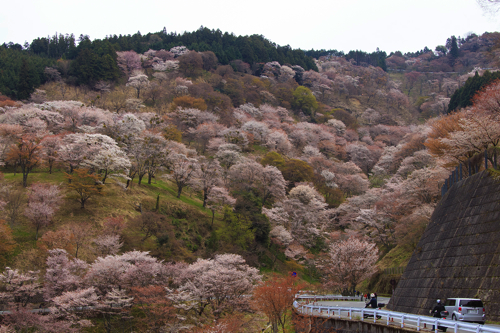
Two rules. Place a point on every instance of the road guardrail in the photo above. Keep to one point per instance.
(386, 317)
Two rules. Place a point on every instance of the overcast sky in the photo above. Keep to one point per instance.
(391, 25)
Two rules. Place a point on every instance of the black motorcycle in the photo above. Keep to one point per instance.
(443, 314)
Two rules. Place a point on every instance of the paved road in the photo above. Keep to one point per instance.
(361, 304)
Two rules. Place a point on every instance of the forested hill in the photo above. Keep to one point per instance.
(95, 60)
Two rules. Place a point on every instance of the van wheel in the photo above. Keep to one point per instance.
(453, 318)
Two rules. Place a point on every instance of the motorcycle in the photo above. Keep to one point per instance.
(443, 314)
(380, 306)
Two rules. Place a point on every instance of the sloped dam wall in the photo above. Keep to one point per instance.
(459, 252)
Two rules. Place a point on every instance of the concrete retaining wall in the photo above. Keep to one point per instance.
(339, 325)
(459, 252)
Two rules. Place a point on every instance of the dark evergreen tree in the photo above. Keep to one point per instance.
(25, 84)
(453, 49)
(463, 95)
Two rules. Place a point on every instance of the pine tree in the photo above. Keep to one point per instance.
(25, 84)
(454, 47)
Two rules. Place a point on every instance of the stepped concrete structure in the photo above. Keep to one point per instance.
(459, 252)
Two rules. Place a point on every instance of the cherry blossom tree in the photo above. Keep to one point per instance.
(20, 288)
(128, 61)
(478, 131)
(126, 127)
(220, 284)
(43, 202)
(282, 235)
(267, 182)
(235, 136)
(50, 147)
(228, 155)
(144, 150)
(35, 127)
(378, 225)
(62, 274)
(155, 154)
(351, 261)
(85, 299)
(107, 244)
(110, 161)
(355, 184)
(24, 320)
(259, 130)
(217, 198)
(272, 184)
(106, 273)
(303, 213)
(245, 175)
(421, 184)
(204, 132)
(278, 140)
(364, 156)
(186, 118)
(209, 176)
(115, 303)
(73, 151)
(104, 155)
(139, 82)
(184, 171)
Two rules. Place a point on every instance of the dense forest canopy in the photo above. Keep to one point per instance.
(89, 61)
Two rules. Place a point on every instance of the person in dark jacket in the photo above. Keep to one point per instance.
(373, 302)
(436, 313)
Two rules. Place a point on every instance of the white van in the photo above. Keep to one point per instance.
(466, 309)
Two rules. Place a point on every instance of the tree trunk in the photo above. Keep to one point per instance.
(25, 178)
(274, 327)
(105, 176)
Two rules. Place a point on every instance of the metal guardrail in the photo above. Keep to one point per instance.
(394, 270)
(458, 174)
(328, 297)
(405, 319)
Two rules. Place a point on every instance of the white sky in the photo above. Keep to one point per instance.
(391, 25)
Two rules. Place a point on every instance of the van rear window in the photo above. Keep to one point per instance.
(474, 303)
